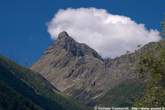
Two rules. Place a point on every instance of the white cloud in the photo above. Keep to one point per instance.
(110, 35)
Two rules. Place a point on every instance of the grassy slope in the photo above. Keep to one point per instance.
(35, 87)
(12, 100)
(129, 93)
(122, 95)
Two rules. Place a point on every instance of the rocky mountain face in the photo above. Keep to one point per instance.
(79, 71)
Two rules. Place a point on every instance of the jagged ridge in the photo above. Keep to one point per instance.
(80, 72)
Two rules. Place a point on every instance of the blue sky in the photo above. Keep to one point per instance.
(23, 30)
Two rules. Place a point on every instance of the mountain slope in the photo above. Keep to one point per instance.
(12, 100)
(153, 65)
(72, 68)
(80, 72)
(30, 90)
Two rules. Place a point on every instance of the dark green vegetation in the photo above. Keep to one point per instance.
(122, 95)
(153, 66)
(12, 100)
(23, 89)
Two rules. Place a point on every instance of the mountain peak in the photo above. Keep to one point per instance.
(64, 40)
(67, 43)
(63, 35)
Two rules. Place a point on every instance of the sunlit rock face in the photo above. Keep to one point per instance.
(79, 71)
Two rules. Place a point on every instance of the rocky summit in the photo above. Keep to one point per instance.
(79, 71)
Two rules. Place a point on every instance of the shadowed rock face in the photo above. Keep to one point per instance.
(79, 71)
